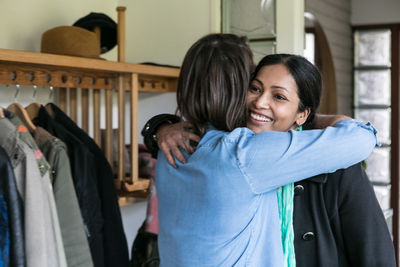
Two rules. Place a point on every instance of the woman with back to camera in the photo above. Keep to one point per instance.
(220, 208)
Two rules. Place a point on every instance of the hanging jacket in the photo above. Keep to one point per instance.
(73, 234)
(4, 231)
(15, 211)
(40, 246)
(44, 169)
(84, 176)
(115, 244)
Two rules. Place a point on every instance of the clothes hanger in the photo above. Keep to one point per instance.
(33, 110)
(49, 110)
(19, 110)
(23, 115)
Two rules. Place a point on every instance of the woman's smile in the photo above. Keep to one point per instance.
(259, 117)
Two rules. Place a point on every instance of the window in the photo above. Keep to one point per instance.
(376, 99)
(254, 19)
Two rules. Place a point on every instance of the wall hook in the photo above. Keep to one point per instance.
(17, 88)
(51, 89)
(34, 92)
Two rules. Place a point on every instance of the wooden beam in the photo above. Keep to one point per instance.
(80, 63)
(85, 109)
(134, 129)
(96, 117)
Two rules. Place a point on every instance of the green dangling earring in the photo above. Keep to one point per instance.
(300, 128)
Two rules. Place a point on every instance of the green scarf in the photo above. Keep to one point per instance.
(285, 205)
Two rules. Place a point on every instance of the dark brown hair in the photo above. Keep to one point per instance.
(212, 86)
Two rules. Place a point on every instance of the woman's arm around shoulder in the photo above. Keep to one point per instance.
(272, 159)
(165, 132)
(321, 121)
(151, 127)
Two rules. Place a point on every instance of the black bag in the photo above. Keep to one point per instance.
(145, 250)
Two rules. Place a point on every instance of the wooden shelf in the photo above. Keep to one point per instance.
(19, 67)
(68, 62)
(41, 69)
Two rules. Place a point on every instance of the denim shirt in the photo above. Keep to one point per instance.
(220, 208)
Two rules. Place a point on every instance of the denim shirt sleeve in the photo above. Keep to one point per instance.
(272, 159)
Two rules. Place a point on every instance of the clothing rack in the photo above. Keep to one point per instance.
(68, 73)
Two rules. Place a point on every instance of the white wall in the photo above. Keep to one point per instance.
(24, 21)
(161, 32)
(375, 12)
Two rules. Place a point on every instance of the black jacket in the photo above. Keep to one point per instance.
(83, 173)
(338, 222)
(114, 241)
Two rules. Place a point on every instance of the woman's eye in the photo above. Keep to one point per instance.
(254, 89)
(280, 97)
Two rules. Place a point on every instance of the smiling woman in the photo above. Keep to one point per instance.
(284, 93)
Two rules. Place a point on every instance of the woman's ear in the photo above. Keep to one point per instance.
(302, 116)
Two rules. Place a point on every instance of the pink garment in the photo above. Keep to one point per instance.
(147, 167)
(151, 224)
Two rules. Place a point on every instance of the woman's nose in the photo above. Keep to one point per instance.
(262, 101)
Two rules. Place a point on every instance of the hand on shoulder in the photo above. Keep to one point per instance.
(322, 121)
(172, 137)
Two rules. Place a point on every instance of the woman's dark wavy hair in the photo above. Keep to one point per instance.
(307, 77)
(213, 82)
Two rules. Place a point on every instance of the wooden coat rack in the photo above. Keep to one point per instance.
(68, 73)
